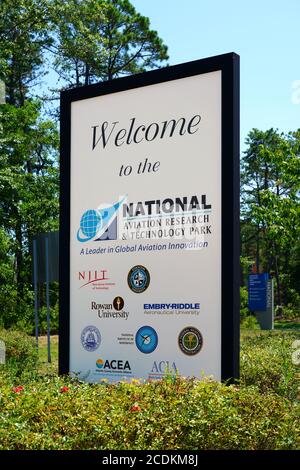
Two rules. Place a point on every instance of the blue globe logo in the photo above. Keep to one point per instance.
(94, 223)
(90, 224)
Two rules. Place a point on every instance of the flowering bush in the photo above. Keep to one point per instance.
(260, 412)
(136, 407)
(184, 414)
(21, 353)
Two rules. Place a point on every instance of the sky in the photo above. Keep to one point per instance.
(266, 35)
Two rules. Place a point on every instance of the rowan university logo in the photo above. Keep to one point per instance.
(118, 304)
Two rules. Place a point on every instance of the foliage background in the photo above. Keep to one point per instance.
(83, 42)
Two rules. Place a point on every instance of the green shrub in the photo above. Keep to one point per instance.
(185, 414)
(244, 312)
(53, 320)
(262, 412)
(266, 362)
(21, 353)
(250, 323)
(289, 312)
(247, 320)
(16, 312)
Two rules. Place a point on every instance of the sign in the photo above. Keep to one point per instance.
(2, 352)
(53, 256)
(149, 234)
(257, 291)
(265, 317)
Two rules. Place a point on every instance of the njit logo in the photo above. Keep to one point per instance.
(113, 366)
(99, 224)
(163, 368)
(96, 279)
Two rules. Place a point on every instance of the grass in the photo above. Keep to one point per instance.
(287, 325)
(44, 367)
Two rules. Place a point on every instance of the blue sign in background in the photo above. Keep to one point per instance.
(257, 291)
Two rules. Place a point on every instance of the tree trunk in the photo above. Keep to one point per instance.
(19, 259)
(87, 75)
(257, 250)
(278, 285)
(286, 283)
(77, 74)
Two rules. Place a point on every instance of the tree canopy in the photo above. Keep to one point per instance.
(100, 40)
(270, 211)
(81, 42)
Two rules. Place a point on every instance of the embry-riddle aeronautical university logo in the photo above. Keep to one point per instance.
(99, 224)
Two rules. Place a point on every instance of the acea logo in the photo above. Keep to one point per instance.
(138, 279)
(90, 338)
(99, 224)
(190, 341)
(112, 366)
(146, 339)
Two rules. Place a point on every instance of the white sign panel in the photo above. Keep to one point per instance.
(145, 231)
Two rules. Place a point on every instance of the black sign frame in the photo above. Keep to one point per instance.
(228, 64)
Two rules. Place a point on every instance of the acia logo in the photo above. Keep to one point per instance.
(164, 367)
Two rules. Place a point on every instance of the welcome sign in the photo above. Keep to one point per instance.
(149, 243)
